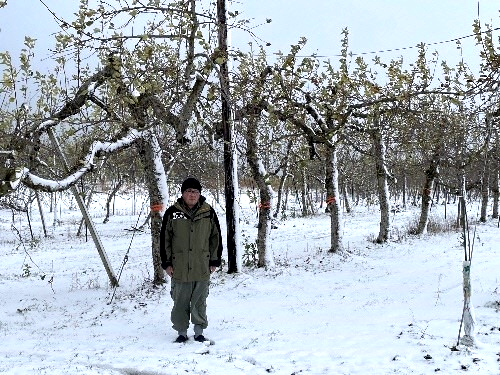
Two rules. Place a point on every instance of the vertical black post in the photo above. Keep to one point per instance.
(228, 143)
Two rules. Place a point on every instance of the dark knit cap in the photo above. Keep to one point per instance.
(191, 183)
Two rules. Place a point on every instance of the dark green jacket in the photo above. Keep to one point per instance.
(190, 243)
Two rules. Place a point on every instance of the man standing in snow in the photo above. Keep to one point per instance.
(190, 250)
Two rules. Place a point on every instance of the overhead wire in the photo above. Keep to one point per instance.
(399, 48)
(61, 22)
(489, 30)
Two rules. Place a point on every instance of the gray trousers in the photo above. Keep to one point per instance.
(190, 300)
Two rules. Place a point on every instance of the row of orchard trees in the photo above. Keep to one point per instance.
(372, 125)
(151, 108)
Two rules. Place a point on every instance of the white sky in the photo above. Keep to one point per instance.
(375, 25)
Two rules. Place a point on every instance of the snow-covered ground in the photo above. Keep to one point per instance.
(379, 309)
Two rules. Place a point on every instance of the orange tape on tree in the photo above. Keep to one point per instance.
(265, 205)
(157, 207)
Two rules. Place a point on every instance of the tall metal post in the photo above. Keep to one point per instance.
(228, 142)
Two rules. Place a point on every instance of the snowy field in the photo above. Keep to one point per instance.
(378, 309)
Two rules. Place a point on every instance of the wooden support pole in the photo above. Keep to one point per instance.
(83, 209)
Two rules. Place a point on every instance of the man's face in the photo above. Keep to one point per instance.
(191, 197)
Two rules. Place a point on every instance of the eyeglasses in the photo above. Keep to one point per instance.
(192, 191)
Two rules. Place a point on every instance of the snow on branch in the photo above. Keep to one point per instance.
(97, 149)
(42, 184)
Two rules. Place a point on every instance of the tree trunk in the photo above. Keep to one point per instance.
(468, 339)
(461, 192)
(405, 186)
(382, 185)
(485, 186)
(112, 195)
(484, 197)
(53, 205)
(468, 320)
(346, 198)
(303, 192)
(285, 203)
(333, 200)
(496, 195)
(485, 183)
(279, 198)
(156, 181)
(283, 179)
(431, 174)
(265, 258)
(261, 178)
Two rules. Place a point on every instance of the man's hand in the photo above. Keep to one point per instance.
(170, 271)
(212, 269)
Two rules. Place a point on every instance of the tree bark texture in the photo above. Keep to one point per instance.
(431, 173)
(484, 197)
(496, 194)
(150, 155)
(111, 195)
(304, 192)
(333, 200)
(382, 185)
(265, 194)
(347, 202)
(485, 188)
(468, 320)
(485, 179)
(283, 178)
